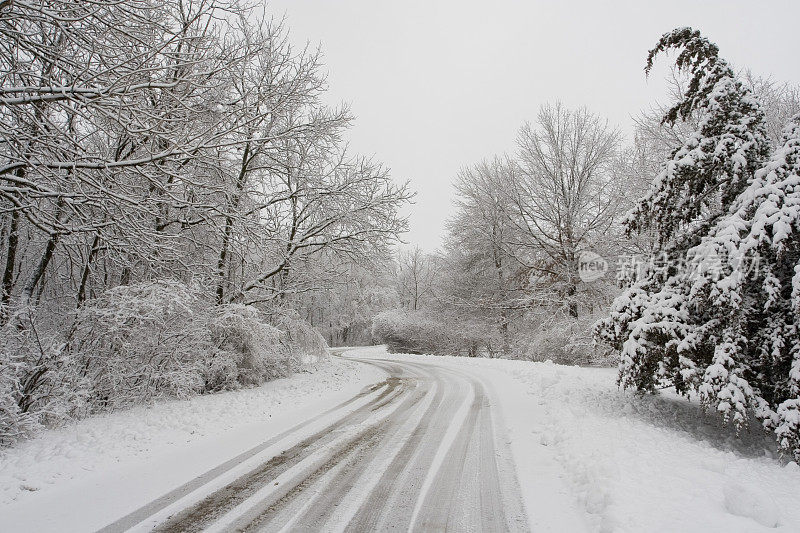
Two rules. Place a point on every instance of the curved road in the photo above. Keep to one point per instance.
(423, 450)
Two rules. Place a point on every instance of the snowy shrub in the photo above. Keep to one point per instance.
(237, 335)
(15, 423)
(564, 340)
(400, 333)
(249, 351)
(39, 384)
(559, 338)
(422, 333)
(137, 343)
(301, 342)
(163, 339)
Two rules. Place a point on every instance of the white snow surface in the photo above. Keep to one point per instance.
(589, 457)
(83, 476)
(625, 463)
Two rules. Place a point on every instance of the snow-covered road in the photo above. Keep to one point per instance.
(418, 450)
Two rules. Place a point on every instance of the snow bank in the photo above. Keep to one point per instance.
(633, 463)
(104, 466)
(751, 502)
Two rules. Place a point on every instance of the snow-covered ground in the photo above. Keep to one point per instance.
(624, 462)
(83, 476)
(589, 457)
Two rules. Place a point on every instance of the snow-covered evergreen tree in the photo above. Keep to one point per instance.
(717, 312)
(705, 175)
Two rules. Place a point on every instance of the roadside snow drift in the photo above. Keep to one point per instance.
(623, 462)
(83, 476)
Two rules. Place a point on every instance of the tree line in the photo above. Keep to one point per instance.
(705, 204)
(508, 275)
(180, 153)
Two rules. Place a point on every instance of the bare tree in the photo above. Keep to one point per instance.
(107, 110)
(564, 195)
(415, 278)
(483, 274)
(271, 89)
(323, 200)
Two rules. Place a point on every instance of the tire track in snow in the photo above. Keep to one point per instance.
(146, 517)
(417, 452)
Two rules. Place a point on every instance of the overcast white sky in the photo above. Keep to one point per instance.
(439, 85)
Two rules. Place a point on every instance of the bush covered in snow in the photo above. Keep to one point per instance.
(562, 339)
(559, 338)
(139, 343)
(246, 350)
(30, 391)
(422, 333)
(298, 337)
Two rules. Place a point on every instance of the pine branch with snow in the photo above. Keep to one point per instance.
(721, 318)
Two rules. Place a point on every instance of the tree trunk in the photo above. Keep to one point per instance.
(572, 278)
(38, 272)
(11, 258)
(504, 332)
(573, 305)
(223, 257)
(87, 269)
(501, 285)
(233, 205)
(47, 255)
